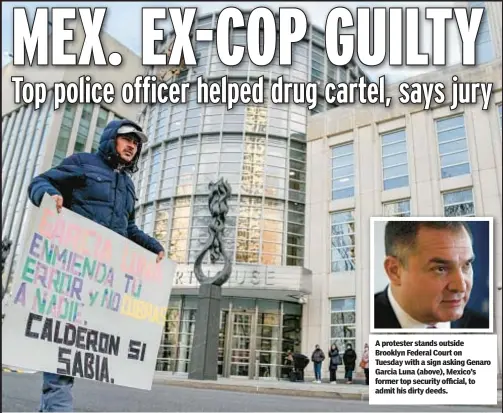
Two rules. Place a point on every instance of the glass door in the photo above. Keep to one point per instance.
(268, 351)
(241, 345)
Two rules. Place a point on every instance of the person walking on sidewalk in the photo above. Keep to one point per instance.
(317, 358)
(364, 364)
(349, 359)
(97, 186)
(335, 359)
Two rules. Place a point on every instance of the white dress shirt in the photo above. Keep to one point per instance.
(406, 321)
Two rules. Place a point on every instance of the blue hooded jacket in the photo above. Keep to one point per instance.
(97, 187)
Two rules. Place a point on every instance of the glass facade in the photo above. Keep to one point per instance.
(83, 128)
(255, 336)
(86, 122)
(100, 125)
(260, 149)
(24, 136)
(64, 134)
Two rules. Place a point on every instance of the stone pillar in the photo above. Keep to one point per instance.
(204, 355)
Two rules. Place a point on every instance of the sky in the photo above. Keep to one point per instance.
(123, 22)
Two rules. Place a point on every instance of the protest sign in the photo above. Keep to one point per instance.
(86, 302)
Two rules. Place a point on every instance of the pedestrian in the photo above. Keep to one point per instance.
(289, 365)
(349, 359)
(364, 364)
(97, 186)
(335, 361)
(317, 358)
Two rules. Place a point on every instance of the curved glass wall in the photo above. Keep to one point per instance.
(260, 149)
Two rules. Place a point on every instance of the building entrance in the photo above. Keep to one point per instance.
(239, 348)
(254, 344)
(254, 337)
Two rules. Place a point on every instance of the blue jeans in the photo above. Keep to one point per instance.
(56, 393)
(317, 371)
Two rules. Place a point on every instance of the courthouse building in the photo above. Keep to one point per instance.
(260, 149)
(369, 161)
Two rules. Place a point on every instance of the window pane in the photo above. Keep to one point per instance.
(395, 148)
(392, 137)
(393, 183)
(395, 171)
(394, 160)
(450, 123)
(454, 157)
(342, 171)
(343, 322)
(342, 241)
(459, 203)
(451, 134)
(457, 170)
(453, 146)
(397, 209)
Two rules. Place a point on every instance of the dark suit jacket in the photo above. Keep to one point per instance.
(384, 316)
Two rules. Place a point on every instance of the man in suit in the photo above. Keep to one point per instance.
(429, 266)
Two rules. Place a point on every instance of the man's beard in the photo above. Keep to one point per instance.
(125, 162)
(122, 163)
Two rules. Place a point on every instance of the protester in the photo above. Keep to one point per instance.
(96, 186)
(289, 365)
(335, 361)
(300, 362)
(317, 358)
(364, 363)
(349, 359)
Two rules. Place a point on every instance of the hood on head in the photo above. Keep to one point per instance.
(107, 144)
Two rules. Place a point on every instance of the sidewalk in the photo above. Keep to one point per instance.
(279, 387)
(273, 386)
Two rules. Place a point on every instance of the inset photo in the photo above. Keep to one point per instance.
(431, 274)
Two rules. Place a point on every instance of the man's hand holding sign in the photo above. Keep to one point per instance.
(90, 299)
(59, 206)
